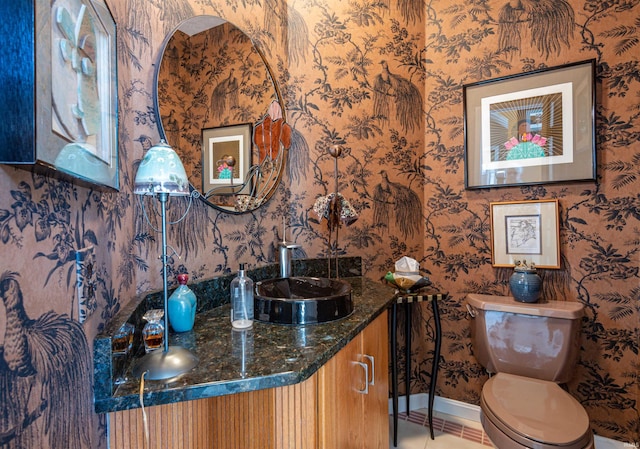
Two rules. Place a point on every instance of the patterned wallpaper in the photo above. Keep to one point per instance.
(383, 79)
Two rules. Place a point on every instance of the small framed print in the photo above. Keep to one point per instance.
(226, 156)
(525, 230)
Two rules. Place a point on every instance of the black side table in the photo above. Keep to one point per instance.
(408, 299)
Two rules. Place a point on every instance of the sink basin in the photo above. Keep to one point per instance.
(302, 300)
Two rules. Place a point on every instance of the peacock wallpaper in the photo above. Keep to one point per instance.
(385, 81)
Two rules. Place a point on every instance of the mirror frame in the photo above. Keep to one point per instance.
(285, 151)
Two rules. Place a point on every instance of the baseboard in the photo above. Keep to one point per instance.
(472, 413)
(440, 405)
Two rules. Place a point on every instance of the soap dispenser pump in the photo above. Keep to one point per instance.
(241, 300)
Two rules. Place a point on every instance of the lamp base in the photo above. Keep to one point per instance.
(161, 364)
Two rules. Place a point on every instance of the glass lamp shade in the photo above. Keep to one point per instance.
(161, 171)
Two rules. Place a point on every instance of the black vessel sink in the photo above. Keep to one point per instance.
(302, 300)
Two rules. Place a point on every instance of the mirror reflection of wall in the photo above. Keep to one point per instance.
(207, 79)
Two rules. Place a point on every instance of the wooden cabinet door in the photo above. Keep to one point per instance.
(339, 403)
(375, 343)
(349, 417)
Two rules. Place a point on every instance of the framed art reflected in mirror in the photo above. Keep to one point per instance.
(531, 128)
(226, 158)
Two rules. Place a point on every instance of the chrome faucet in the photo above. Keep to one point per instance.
(285, 248)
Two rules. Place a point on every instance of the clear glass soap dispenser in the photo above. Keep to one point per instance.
(241, 300)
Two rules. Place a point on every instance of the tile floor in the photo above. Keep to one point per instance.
(450, 432)
(453, 432)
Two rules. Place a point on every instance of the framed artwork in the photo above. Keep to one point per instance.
(531, 128)
(226, 153)
(63, 109)
(525, 230)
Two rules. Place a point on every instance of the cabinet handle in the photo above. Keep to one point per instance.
(373, 369)
(365, 390)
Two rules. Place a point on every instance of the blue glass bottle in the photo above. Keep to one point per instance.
(182, 306)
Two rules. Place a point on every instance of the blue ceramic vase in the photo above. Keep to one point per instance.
(525, 284)
(182, 306)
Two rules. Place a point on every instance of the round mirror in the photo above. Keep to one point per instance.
(218, 105)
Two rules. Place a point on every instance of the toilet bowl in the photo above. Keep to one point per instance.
(531, 348)
(519, 412)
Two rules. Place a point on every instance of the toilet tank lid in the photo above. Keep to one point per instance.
(552, 309)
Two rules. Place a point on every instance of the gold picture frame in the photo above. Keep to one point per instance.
(525, 230)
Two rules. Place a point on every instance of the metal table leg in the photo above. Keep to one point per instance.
(394, 371)
(407, 353)
(436, 361)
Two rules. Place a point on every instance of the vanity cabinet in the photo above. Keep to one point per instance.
(353, 392)
(336, 407)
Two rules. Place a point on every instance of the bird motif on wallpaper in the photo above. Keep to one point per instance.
(288, 26)
(550, 24)
(299, 157)
(173, 9)
(142, 14)
(389, 89)
(392, 198)
(145, 141)
(410, 9)
(224, 96)
(172, 129)
(45, 376)
(172, 57)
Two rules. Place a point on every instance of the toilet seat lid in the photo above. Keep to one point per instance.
(536, 409)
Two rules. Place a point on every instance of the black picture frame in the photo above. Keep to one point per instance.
(531, 128)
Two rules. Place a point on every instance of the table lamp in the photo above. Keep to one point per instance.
(161, 174)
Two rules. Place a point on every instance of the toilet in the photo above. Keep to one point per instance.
(529, 350)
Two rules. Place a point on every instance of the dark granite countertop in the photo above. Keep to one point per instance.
(231, 361)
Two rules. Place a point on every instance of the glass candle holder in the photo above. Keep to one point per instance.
(122, 341)
(153, 331)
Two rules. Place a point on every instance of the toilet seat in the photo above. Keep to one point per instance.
(535, 413)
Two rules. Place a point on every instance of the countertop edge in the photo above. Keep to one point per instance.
(200, 391)
(205, 390)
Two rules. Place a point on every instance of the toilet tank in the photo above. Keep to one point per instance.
(537, 340)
